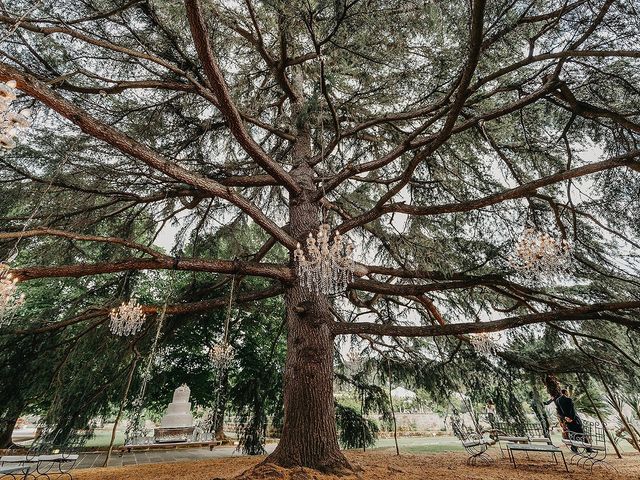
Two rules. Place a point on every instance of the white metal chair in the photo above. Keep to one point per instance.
(474, 443)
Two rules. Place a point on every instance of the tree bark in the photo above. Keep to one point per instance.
(614, 403)
(6, 431)
(552, 384)
(309, 434)
(602, 421)
(221, 408)
(393, 412)
(125, 394)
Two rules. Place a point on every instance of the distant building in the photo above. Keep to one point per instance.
(402, 393)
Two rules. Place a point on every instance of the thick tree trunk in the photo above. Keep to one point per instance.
(602, 420)
(219, 432)
(552, 384)
(6, 431)
(221, 408)
(309, 434)
(8, 418)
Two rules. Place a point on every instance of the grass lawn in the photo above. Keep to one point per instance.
(411, 445)
(103, 437)
(420, 444)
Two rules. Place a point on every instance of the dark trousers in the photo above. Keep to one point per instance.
(575, 426)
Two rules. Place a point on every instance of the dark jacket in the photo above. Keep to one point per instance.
(566, 408)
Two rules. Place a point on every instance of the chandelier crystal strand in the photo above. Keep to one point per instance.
(9, 298)
(327, 267)
(484, 343)
(11, 122)
(136, 427)
(221, 354)
(539, 256)
(127, 319)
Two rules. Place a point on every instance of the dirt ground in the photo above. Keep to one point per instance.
(374, 466)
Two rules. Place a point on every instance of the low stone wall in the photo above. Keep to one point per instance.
(410, 423)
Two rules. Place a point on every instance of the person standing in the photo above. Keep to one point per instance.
(572, 424)
(490, 412)
(540, 412)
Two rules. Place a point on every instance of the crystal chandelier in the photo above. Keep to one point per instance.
(221, 355)
(127, 319)
(538, 255)
(9, 300)
(327, 267)
(10, 122)
(484, 343)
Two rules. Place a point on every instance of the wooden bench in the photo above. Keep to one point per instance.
(528, 447)
(168, 446)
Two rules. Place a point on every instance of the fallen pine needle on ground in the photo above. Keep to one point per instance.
(372, 466)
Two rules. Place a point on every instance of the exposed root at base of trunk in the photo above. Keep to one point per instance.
(270, 471)
(222, 437)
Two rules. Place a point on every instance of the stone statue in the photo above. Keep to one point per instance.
(178, 412)
(177, 423)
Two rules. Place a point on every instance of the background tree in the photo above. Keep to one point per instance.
(428, 132)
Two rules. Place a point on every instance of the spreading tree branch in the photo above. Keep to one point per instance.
(37, 89)
(269, 270)
(588, 312)
(227, 106)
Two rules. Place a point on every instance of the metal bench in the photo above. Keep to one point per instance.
(526, 433)
(529, 447)
(26, 463)
(168, 445)
(474, 443)
(590, 447)
(45, 457)
(13, 472)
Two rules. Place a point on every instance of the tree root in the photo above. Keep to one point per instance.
(270, 471)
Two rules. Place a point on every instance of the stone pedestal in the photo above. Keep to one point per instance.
(172, 435)
(177, 423)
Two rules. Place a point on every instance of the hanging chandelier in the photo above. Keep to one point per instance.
(484, 343)
(538, 255)
(10, 122)
(127, 319)
(328, 266)
(9, 299)
(221, 355)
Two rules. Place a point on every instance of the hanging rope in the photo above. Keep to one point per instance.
(135, 429)
(323, 211)
(11, 298)
(221, 355)
(229, 306)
